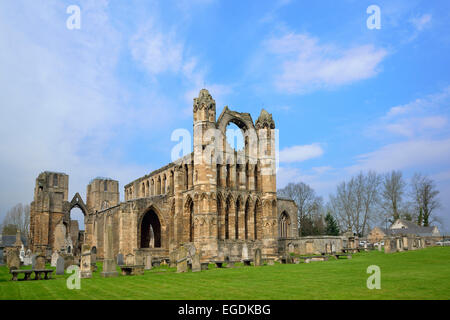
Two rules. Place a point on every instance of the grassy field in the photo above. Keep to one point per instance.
(422, 274)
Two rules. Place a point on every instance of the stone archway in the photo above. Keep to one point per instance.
(150, 230)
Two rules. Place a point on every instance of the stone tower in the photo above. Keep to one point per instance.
(205, 234)
(101, 194)
(265, 128)
(47, 209)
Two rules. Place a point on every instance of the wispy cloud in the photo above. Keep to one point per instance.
(421, 22)
(306, 65)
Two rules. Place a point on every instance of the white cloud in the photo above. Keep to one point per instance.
(307, 65)
(63, 109)
(421, 117)
(300, 153)
(158, 52)
(415, 154)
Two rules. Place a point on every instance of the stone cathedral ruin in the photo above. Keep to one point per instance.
(217, 198)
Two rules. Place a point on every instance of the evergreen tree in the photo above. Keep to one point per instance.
(332, 227)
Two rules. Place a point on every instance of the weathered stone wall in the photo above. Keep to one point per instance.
(311, 245)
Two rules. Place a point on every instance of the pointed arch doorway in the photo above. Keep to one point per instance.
(150, 230)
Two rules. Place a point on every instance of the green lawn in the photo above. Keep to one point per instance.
(422, 274)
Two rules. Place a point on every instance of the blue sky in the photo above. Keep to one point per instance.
(103, 100)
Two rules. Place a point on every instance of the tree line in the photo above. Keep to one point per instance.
(364, 201)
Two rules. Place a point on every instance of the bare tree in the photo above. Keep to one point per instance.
(424, 195)
(18, 216)
(355, 202)
(305, 198)
(392, 191)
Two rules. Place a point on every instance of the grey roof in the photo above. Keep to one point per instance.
(412, 228)
(8, 241)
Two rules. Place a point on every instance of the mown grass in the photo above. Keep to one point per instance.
(422, 274)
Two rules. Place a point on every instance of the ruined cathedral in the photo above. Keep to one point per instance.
(215, 198)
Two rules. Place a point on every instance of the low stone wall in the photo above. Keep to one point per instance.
(311, 245)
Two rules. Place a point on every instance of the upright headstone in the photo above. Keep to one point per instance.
(27, 260)
(21, 254)
(55, 257)
(182, 260)
(196, 265)
(94, 259)
(33, 261)
(257, 261)
(244, 252)
(120, 261)
(60, 266)
(148, 262)
(291, 248)
(129, 260)
(13, 259)
(68, 260)
(40, 262)
(85, 264)
(109, 265)
(333, 248)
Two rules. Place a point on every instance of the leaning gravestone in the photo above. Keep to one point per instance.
(60, 266)
(55, 257)
(182, 260)
(257, 260)
(196, 266)
(120, 259)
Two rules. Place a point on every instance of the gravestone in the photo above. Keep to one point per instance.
(85, 264)
(182, 260)
(129, 260)
(257, 261)
(33, 260)
(148, 262)
(40, 262)
(93, 255)
(333, 248)
(196, 266)
(60, 266)
(55, 257)
(27, 260)
(173, 258)
(109, 265)
(21, 254)
(120, 259)
(244, 252)
(291, 248)
(13, 259)
(68, 260)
